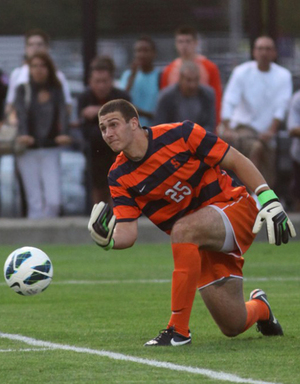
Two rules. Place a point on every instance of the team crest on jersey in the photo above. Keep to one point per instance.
(176, 164)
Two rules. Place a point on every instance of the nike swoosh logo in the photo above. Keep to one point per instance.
(141, 190)
(271, 209)
(177, 343)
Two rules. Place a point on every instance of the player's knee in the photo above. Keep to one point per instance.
(181, 232)
(231, 331)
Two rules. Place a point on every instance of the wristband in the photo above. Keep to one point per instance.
(266, 196)
(110, 245)
(260, 187)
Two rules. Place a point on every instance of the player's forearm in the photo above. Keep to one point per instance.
(244, 169)
(125, 235)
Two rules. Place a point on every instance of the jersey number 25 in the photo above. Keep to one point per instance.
(178, 192)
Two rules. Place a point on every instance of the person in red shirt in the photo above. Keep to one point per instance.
(174, 175)
(186, 45)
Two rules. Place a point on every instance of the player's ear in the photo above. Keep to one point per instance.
(134, 122)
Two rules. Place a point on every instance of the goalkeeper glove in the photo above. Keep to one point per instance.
(102, 224)
(279, 226)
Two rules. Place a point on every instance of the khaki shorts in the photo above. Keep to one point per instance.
(247, 142)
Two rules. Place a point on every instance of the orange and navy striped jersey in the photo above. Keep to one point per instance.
(178, 174)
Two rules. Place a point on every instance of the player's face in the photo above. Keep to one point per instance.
(186, 45)
(35, 44)
(143, 52)
(101, 83)
(116, 132)
(38, 70)
(189, 82)
(264, 51)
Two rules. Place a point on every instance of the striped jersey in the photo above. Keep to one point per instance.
(178, 174)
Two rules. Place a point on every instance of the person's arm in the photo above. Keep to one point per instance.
(244, 169)
(210, 106)
(231, 98)
(215, 82)
(271, 131)
(63, 138)
(21, 110)
(279, 226)
(11, 91)
(125, 234)
(295, 132)
(66, 89)
(164, 109)
(293, 120)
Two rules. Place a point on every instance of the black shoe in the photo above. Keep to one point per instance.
(168, 337)
(269, 327)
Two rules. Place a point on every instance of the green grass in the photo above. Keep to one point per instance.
(121, 316)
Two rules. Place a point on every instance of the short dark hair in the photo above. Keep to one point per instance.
(186, 30)
(148, 40)
(37, 32)
(102, 63)
(127, 110)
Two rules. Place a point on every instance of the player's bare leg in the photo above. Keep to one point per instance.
(204, 229)
(187, 265)
(225, 301)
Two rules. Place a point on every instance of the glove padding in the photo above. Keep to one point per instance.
(279, 226)
(101, 225)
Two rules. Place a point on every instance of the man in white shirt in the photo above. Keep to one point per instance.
(254, 105)
(35, 40)
(293, 125)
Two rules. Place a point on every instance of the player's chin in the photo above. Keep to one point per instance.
(115, 146)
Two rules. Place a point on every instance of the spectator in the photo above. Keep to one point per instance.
(293, 125)
(186, 44)
(100, 90)
(43, 123)
(35, 40)
(254, 105)
(187, 100)
(142, 80)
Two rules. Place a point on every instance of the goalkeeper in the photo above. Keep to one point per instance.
(175, 175)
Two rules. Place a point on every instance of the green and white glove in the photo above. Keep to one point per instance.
(279, 226)
(102, 224)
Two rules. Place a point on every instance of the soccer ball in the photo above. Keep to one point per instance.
(28, 271)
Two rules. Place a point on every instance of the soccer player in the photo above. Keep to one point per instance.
(174, 174)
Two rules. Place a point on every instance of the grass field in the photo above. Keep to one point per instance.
(102, 306)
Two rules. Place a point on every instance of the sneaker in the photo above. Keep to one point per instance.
(269, 327)
(168, 337)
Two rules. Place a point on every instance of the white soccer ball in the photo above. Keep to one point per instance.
(28, 271)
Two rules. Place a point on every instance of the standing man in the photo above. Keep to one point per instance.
(36, 40)
(187, 100)
(186, 42)
(171, 173)
(254, 105)
(99, 91)
(293, 125)
(142, 80)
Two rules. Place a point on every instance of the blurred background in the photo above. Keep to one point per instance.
(82, 29)
(79, 29)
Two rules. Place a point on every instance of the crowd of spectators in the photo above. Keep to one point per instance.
(256, 103)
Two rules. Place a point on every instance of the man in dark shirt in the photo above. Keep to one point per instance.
(187, 100)
(100, 90)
